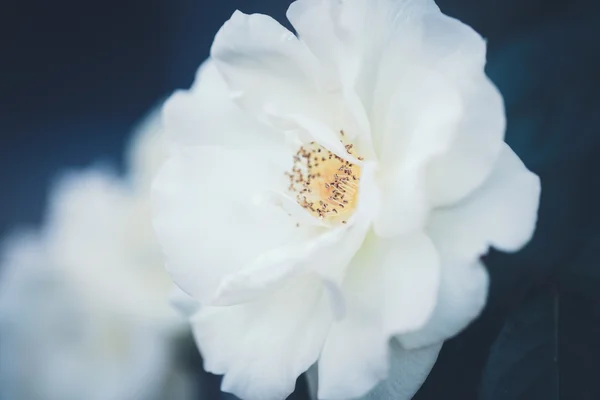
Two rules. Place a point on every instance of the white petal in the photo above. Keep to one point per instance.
(346, 36)
(408, 371)
(404, 36)
(274, 266)
(324, 252)
(404, 206)
(421, 125)
(458, 52)
(332, 263)
(355, 356)
(462, 295)
(206, 115)
(390, 287)
(318, 249)
(471, 157)
(412, 274)
(373, 42)
(384, 41)
(354, 34)
(263, 346)
(422, 122)
(271, 72)
(183, 302)
(314, 21)
(207, 201)
(502, 213)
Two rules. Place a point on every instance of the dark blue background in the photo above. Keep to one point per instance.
(76, 76)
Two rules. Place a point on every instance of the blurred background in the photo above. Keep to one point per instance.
(77, 76)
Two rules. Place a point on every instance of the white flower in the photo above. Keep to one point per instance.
(57, 345)
(330, 191)
(84, 303)
(100, 230)
(84, 307)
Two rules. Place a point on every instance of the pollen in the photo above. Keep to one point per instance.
(325, 184)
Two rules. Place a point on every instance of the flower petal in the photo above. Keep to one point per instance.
(357, 36)
(471, 158)
(412, 275)
(383, 41)
(355, 356)
(502, 213)
(314, 21)
(332, 263)
(461, 297)
(352, 34)
(399, 37)
(209, 198)
(272, 267)
(408, 371)
(271, 72)
(381, 289)
(345, 38)
(457, 51)
(469, 108)
(326, 253)
(206, 115)
(423, 118)
(404, 206)
(183, 302)
(263, 346)
(422, 123)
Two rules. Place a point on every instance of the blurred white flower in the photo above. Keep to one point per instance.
(57, 345)
(84, 303)
(330, 191)
(100, 230)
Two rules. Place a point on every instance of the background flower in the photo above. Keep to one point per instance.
(100, 230)
(84, 310)
(57, 344)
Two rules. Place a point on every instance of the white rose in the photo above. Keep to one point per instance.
(329, 195)
(100, 230)
(84, 311)
(58, 345)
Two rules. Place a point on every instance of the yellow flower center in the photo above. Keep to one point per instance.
(325, 184)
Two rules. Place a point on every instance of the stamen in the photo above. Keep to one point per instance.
(325, 184)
